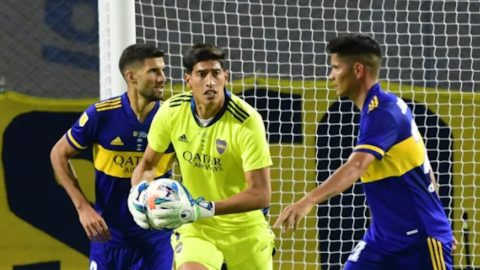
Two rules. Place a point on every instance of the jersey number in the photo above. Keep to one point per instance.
(356, 251)
(93, 266)
(404, 107)
(415, 134)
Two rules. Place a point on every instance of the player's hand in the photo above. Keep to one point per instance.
(172, 215)
(94, 225)
(136, 204)
(455, 244)
(293, 214)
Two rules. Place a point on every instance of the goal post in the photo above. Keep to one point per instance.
(116, 31)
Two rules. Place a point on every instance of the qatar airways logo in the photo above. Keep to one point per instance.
(203, 161)
(127, 163)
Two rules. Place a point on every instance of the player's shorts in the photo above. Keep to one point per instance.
(147, 256)
(248, 249)
(430, 255)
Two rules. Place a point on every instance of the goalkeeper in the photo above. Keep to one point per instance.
(221, 145)
(409, 227)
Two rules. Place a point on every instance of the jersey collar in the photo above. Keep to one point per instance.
(131, 115)
(219, 115)
(370, 94)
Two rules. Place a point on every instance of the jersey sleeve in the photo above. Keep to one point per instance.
(254, 146)
(83, 132)
(378, 132)
(159, 133)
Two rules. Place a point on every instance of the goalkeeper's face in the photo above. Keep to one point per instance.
(207, 82)
(150, 79)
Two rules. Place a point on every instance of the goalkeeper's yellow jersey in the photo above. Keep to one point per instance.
(213, 159)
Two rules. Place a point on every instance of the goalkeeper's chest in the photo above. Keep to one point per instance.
(212, 148)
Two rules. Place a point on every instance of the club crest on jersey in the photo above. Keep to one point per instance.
(221, 146)
(140, 134)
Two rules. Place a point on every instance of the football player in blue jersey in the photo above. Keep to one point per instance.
(117, 130)
(409, 228)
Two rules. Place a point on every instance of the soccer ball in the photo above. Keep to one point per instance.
(160, 191)
(163, 191)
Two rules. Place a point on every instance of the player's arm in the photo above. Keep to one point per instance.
(256, 196)
(378, 132)
(60, 157)
(434, 182)
(343, 178)
(145, 171)
(437, 190)
(158, 144)
(66, 148)
(142, 175)
(256, 162)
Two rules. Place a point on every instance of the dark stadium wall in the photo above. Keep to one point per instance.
(28, 141)
(40, 227)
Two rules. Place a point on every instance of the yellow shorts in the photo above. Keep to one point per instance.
(247, 249)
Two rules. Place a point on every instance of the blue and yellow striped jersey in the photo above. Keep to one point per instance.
(400, 194)
(118, 140)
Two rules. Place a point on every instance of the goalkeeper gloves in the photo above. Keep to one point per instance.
(136, 204)
(172, 215)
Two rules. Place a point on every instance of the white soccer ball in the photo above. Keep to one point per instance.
(168, 204)
(160, 191)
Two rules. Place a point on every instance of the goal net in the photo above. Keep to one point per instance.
(278, 63)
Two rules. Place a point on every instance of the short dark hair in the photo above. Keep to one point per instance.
(354, 44)
(358, 48)
(202, 52)
(136, 54)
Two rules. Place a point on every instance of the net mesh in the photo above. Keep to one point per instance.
(49, 48)
(278, 62)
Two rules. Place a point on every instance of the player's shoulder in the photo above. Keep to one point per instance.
(383, 102)
(241, 110)
(176, 101)
(380, 99)
(107, 105)
(386, 107)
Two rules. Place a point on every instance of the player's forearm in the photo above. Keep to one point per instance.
(146, 168)
(69, 181)
(434, 181)
(342, 179)
(144, 171)
(247, 200)
(137, 175)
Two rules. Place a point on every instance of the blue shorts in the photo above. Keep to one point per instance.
(155, 255)
(430, 255)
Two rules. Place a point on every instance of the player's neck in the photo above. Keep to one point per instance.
(358, 97)
(141, 107)
(209, 111)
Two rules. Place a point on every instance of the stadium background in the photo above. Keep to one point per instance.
(49, 74)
